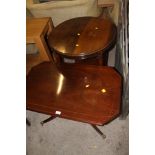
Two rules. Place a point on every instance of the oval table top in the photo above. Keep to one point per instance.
(82, 36)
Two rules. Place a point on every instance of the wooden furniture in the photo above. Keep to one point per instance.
(110, 9)
(107, 6)
(31, 61)
(105, 3)
(83, 93)
(37, 29)
(83, 40)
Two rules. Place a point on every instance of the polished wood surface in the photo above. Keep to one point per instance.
(83, 93)
(32, 60)
(83, 37)
(36, 31)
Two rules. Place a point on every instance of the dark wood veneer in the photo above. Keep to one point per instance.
(80, 92)
(83, 37)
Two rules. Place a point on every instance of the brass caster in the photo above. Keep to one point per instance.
(103, 136)
(42, 123)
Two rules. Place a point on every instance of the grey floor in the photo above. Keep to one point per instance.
(66, 137)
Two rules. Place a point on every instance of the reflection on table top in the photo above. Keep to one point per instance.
(79, 92)
(82, 36)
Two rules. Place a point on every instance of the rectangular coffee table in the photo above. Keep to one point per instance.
(89, 94)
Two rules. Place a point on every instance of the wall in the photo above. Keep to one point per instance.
(60, 11)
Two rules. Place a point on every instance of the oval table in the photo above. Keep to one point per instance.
(83, 40)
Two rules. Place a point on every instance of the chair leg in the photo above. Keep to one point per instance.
(47, 120)
(28, 122)
(99, 131)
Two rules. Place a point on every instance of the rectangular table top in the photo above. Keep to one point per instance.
(83, 93)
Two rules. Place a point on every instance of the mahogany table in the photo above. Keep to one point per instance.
(83, 93)
(83, 40)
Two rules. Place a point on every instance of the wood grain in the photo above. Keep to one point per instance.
(83, 93)
(36, 31)
(83, 36)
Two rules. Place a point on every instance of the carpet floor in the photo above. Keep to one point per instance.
(67, 137)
